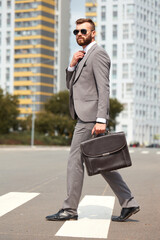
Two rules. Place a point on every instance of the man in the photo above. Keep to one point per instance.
(88, 81)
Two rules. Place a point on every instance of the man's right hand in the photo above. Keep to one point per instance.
(76, 57)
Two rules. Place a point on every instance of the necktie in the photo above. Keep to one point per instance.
(81, 58)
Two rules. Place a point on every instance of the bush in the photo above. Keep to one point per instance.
(24, 138)
(54, 124)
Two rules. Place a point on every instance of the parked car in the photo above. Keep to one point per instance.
(153, 145)
(136, 144)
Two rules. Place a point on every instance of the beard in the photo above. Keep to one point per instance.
(84, 41)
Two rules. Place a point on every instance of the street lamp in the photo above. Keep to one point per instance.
(33, 119)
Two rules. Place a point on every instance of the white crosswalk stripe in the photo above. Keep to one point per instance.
(12, 200)
(131, 151)
(145, 152)
(94, 218)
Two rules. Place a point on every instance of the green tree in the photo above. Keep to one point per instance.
(54, 124)
(58, 103)
(8, 112)
(44, 123)
(55, 119)
(115, 108)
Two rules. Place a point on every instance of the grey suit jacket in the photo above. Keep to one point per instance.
(89, 86)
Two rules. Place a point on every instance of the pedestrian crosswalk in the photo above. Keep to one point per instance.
(94, 214)
(12, 200)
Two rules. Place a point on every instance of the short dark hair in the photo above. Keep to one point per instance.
(83, 20)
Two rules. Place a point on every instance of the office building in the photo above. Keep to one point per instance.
(62, 50)
(6, 45)
(39, 50)
(129, 31)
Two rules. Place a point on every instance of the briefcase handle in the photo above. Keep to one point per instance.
(94, 135)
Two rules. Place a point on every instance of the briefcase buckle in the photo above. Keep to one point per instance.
(105, 154)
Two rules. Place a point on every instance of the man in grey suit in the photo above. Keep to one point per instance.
(88, 81)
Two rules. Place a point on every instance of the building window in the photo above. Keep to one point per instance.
(124, 50)
(91, 9)
(129, 88)
(103, 32)
(114, 93)
(103, 13)
(125, 70)
(129, 50)
(8, 56)
(130, 11)
(125, 31)
(114, 31)
(8, 19)
(114, 71)
(114, 51)
(115, 11)
(133, 30)
(9, 3)
(125, 129)
(132, 70)
(34, 5)
(8, 38)
(7, 74)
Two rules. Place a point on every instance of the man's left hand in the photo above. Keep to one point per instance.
(99, 128)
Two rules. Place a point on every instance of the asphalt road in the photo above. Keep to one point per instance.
(43, 170)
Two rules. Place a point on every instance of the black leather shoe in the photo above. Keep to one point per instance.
(126, 213)
(62, 215)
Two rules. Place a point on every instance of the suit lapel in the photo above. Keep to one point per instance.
(82, 62)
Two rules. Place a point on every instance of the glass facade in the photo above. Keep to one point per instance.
(91, 10)
(34, 53)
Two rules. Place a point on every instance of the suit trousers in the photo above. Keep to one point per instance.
(75, 173)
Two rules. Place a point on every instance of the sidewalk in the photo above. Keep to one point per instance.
(28, 147)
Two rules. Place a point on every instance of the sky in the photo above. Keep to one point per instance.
(77, 11)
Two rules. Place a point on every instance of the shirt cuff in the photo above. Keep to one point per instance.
(101, 120)
(71, 69)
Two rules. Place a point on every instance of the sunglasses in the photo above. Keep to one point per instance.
(83, 31)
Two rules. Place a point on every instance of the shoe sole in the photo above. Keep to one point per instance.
(137, 210)
(69, 219)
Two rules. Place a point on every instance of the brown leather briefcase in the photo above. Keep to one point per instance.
(105, 153)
